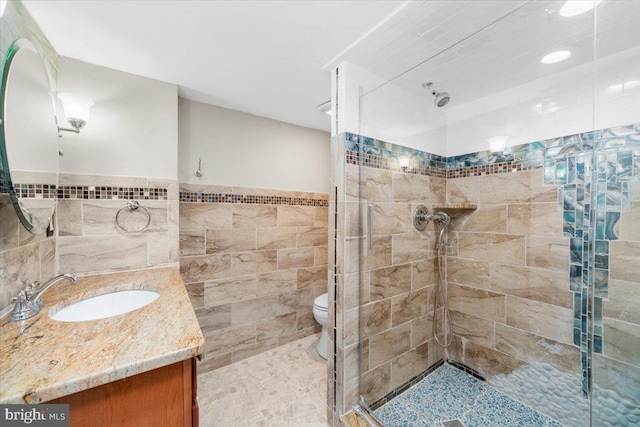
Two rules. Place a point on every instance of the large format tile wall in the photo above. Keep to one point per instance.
(253, 261)
(397, 274)
(23, 256)
(89, 210)
(519, 284)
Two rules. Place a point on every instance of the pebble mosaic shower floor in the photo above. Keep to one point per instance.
(449, 394)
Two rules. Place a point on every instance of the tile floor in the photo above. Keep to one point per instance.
(286, 386)
(449, 394)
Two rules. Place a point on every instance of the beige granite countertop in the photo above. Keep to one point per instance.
(42, 359)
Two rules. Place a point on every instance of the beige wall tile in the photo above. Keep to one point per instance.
(463, 190)
(614, 375)
(312, 236)
(202, 268)
(230, 240)
(277, 237)
(634, 191)
(158, 244)
(99, 217)
(624, 260)
(276, 327)
(221, 291)
(489, 362)
(276, 282)
(299, 300)
(422, 328)
(516, 187)
(311, 277)
(205, 215)
(224, 340)
(551, 253)
(252, 216)
(480, 303)
(17, 265)
(353, 217)
(622, 341)
(389, 344)
(535, 219)
(321, 218)
(376, 317)
(413, 247)
(254, 262)
(408, 365)
(380, 254)
(253, 310)
(47, 255)
(529, 347)
(192, 242)
(391, 218)
(321, 255)
(196, 294)
(389, 281)
(411, 305)
(376, 382)
(211, 363)
(423, 273)
(212, 318)
(295, 258)
(368, 183)
(473, 328)
(624, 301)
(100, 253)
(10, 224)
(545, 320)
(69, 216)
(411, 188)
(291, 216)
(505, 248)
(491, 218)
(468, 272)
(546, 286)
(630, 223)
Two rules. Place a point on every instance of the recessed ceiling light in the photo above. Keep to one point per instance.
(576, 7)
(557, 56)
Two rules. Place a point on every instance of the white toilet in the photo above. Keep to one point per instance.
(320, 313)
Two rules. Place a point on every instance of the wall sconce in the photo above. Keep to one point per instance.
(404, 161)
(76, 110)
(497, 143)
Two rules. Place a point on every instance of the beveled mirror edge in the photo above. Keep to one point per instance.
(7, 185)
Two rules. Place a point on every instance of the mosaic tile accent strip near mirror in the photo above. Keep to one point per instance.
(111, 193)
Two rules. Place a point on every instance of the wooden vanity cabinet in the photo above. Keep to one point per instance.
(162, 397)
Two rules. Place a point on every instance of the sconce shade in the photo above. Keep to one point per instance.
(76, 108)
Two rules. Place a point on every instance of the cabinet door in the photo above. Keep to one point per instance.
(162, 397)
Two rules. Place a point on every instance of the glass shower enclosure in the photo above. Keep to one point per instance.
(536, 160)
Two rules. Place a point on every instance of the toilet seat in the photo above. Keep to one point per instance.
(321, 303)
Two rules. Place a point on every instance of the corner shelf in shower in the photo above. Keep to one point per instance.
(456, 209)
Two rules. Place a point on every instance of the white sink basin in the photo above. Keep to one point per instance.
(106, 305)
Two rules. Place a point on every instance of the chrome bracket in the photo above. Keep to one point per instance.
(421, 217)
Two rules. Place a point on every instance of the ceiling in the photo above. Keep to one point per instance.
(260, 57)
(273, 58)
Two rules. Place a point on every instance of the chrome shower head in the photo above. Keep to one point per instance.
(441, 98)
(441, 219)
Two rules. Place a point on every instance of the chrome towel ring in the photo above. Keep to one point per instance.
(131, 206)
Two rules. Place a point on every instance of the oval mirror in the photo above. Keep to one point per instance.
(28, 137)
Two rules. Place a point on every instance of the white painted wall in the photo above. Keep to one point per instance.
(132, 128)
(240, 149)
(576, 100)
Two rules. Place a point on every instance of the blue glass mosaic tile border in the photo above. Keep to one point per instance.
(450, 394)
(592, 197)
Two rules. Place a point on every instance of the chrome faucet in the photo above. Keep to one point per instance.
(28, 303)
